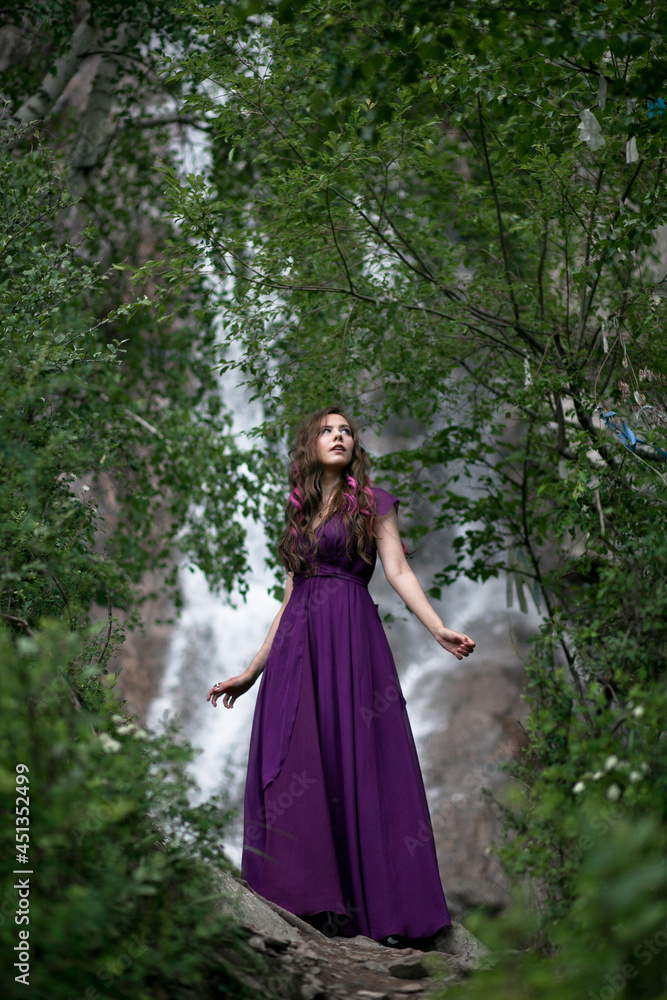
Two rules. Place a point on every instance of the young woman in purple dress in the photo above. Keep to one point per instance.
(336, 823)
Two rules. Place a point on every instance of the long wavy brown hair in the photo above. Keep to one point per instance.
(353, 497)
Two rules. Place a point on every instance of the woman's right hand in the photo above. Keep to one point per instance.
(455, 642)
(230, 690)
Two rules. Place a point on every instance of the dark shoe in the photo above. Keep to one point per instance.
(394, 941)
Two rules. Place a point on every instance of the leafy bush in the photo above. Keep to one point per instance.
(100, 416)
(120, 891)
(611, 943)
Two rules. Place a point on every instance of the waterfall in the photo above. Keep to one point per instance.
(213, 641)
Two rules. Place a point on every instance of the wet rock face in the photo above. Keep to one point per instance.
(140, 659)
(485, 709)
(467, 719)
(300, 961)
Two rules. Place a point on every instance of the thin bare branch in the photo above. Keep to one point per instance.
(335, 239)
(501, 228)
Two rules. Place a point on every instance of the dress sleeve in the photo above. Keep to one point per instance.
(384, 501)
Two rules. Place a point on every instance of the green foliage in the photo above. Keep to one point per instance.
(602, 745)
(121, 900)
(107, 432)
(116, 460)
(612, 942)
(112, 454)
(122, 892)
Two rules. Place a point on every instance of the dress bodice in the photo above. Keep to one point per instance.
(332, 557)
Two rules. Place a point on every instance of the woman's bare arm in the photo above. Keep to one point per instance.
(407, 586)
(234, 687)
(258, 662)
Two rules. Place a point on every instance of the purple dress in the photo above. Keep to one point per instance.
(335, 810)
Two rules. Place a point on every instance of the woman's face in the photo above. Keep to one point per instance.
(335, 442)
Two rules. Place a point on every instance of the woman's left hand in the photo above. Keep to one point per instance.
(455, 642)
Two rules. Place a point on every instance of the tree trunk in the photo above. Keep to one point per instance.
(96, 128)
(40, 103)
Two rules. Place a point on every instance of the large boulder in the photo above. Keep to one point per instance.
(302, 962)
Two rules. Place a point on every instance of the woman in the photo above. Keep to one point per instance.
(336, 822)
